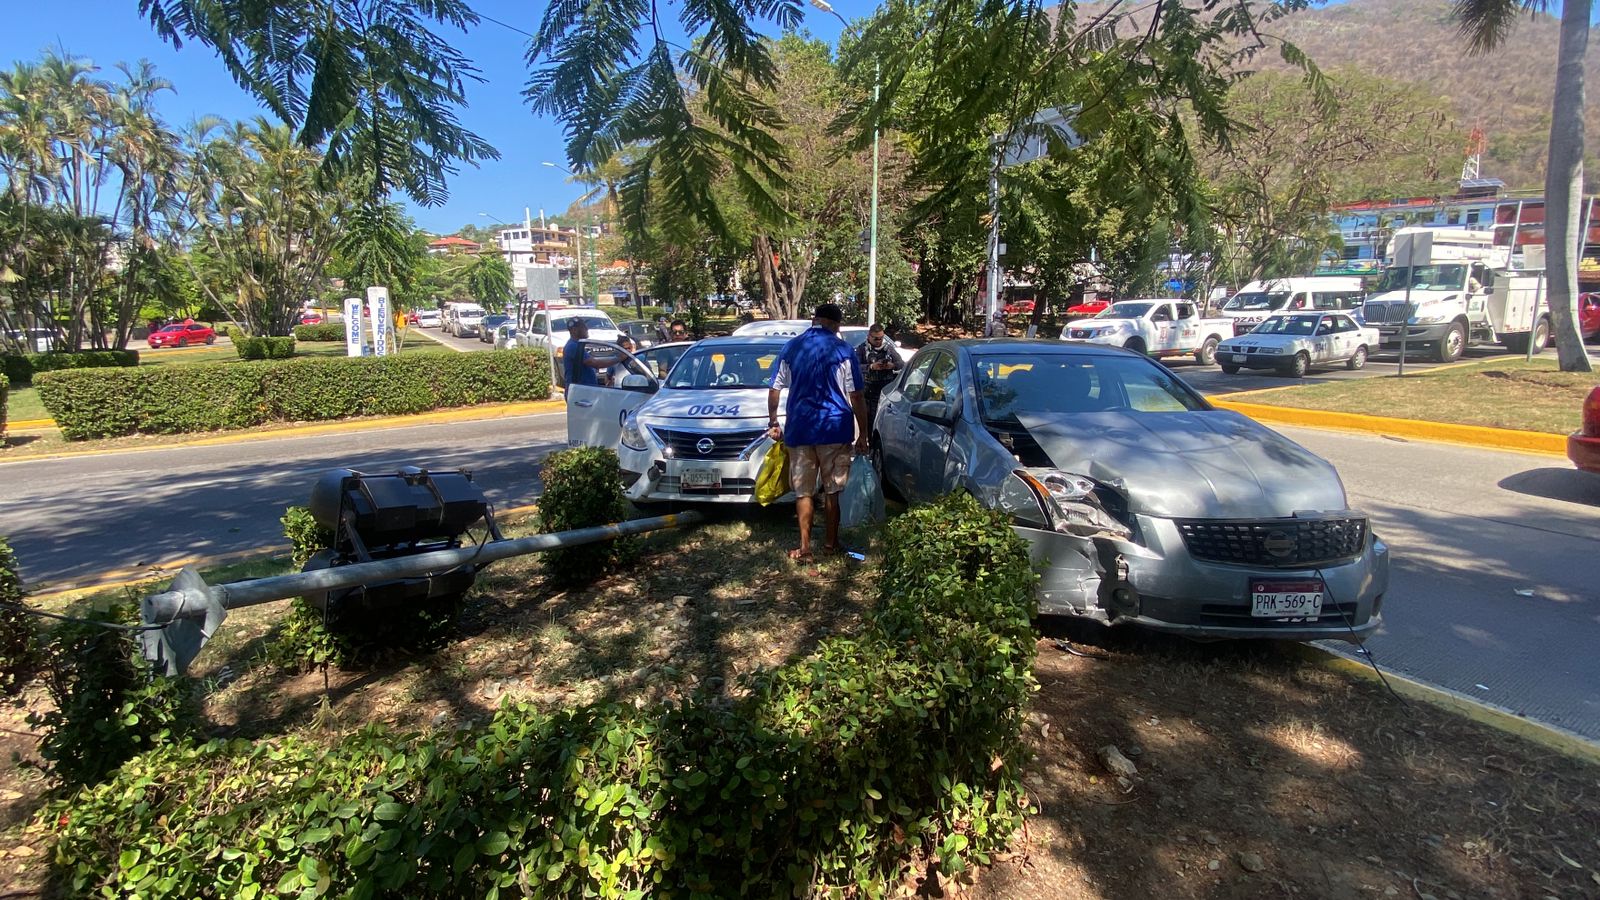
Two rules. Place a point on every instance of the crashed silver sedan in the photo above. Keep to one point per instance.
(1143, 504)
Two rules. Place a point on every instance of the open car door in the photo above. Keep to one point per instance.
(595, 413)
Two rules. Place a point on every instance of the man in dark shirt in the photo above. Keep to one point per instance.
(880, 364)
(576, 366)
(823, 417)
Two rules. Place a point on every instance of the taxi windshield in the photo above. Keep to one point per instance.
(735, 367)
(1287, 325)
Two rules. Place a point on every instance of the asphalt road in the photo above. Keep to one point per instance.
(1495, 586)
(1212, 380)
(464, 344)
(74, 518)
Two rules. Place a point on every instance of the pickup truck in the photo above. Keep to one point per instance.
(1159, 328)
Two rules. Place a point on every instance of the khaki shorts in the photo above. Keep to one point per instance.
(824, 466)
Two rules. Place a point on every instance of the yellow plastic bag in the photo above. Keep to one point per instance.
(772, 481)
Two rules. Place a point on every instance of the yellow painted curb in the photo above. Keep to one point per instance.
(444, 416)
(31, 423)
(1470, 435)
(119, 578)
(1549, 736)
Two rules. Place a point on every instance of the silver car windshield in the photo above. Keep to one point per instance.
(735, 367)
(1287, 325)
(1015, 383)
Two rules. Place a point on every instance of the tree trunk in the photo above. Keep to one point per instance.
(1563, 188)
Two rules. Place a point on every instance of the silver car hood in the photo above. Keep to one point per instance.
(1190, 465)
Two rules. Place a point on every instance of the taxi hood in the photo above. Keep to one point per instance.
(1190, 465)
(709, 409)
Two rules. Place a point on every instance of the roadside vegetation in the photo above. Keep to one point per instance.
(1497, 393)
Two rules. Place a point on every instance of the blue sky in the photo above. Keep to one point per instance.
(109, 31)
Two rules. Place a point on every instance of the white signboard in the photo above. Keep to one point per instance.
(352, 326)
(378, 306)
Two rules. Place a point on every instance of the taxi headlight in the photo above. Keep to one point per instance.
(633, 436)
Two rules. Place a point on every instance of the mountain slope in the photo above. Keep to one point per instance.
(1507, 93)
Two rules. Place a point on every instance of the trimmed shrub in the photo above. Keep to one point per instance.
(827, 778)
(264, 347)
(212, 396)
(325, 331)
(582, 487)
(19, 633)
(109, 705)
(231, 331)
(21, 368)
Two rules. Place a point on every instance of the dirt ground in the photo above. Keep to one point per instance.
(1260, 775)
(1340, 790)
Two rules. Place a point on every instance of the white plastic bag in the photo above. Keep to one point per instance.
(862, 500)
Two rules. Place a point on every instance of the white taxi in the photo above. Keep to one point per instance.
(697, 434)
(1294, 342)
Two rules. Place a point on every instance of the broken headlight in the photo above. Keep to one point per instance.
(1060, 501)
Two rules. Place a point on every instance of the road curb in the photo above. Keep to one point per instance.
(118, 578)
(1549, 736)
(348, 426)
(1470, 435)
(27, 424)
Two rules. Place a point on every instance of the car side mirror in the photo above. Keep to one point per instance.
(938, 412)
(633, 381)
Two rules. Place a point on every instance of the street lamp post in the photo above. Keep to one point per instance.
(872, 252)
(577, 235)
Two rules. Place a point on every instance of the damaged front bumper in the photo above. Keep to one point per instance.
(1154, 581)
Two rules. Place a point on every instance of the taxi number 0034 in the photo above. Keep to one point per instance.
(714, 409)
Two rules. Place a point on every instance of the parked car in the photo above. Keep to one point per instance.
(505, 336)
(1144, 505)
(643, 333)
(1087, 308)
(1292, 343)
(427, 318)
(182, 335)
(1019, 308)
(1259, 299)
(487, 326)
(698, 434)
(462, 319)
(310, 318)
(1158, 327)
(1583, 445)
(1589, 316)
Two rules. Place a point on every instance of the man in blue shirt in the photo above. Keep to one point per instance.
(576, 367)
(824, 416)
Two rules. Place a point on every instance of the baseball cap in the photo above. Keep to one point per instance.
(829, 311)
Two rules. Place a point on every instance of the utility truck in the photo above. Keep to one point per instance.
(1449, 289)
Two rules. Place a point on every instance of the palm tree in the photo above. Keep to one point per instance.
(1487, 23)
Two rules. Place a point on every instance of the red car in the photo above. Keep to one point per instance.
(311, 318)
(1589, 316)
(1087, 308)
(183, 335)
(1583, 445)
(1020, 308)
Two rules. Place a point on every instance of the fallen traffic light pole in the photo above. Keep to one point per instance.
(178, 622)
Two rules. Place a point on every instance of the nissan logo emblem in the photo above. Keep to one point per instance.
(705, 445)
(1278, 544)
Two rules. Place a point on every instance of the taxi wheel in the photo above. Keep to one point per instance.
(1357, 360)
(1229, 369)
(1299, 366)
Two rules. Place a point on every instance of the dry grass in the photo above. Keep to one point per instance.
(1499, 393)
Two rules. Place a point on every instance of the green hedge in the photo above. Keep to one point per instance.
(582, 488)
(21, 368)
(264, 347)
(212, 396)
(827, 778)
(19, 633)
(326, 331)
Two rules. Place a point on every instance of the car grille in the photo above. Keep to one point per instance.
(1275, 543)
(724, 445)
(734, 487)
(1079, 333)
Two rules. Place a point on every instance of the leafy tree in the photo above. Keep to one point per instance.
(1487, 23)
(380, 246)
(1293, 156)
(264, 217)
(371, 81)
(489, 278)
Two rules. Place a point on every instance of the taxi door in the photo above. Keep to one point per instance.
(595, 412)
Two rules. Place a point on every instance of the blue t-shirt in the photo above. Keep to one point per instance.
(572, 364)
(820, 372)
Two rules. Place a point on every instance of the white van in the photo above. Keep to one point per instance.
(1260, 299)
